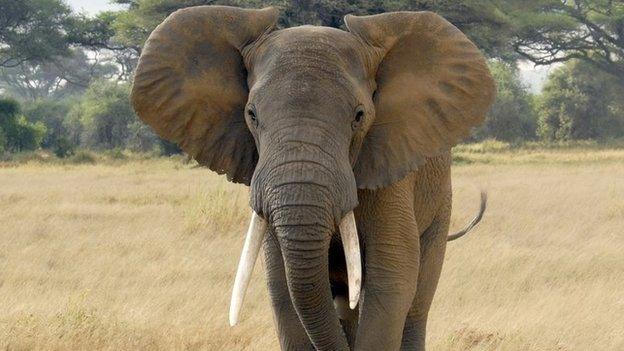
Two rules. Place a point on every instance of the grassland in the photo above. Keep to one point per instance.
(133, 254)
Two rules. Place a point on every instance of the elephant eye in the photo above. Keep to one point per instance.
(359, 115)
(251, 112)
(358, 118)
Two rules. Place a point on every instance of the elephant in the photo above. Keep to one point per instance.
(344, 138)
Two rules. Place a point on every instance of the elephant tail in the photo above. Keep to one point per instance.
(474, 221)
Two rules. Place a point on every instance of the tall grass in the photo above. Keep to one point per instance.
(140, 255)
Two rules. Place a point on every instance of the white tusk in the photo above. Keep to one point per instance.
(351, 244)
(251, 248)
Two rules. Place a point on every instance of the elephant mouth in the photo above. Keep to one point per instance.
(253, 242)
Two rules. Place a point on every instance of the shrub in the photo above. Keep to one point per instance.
(18, 134)
(580, 102)
(105, 114)
(512, 117)
(83, 157)
(53, 114)
(62, 147)
(486, 146)
(116, 154)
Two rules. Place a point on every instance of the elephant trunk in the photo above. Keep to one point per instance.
(304, 190)
(305, 246)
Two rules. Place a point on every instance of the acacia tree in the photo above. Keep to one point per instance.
(57, 77)
(32, 30)
(551, 31)
(482, 20)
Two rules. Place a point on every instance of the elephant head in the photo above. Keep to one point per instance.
(305, 116)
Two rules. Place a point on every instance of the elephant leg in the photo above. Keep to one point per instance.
(290, 331)
(392, 258)
(432, 249)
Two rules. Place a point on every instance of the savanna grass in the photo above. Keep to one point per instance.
(140, 254)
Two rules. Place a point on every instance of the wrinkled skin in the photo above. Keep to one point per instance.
(319, 122)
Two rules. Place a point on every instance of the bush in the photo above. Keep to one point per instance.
(3, 142)
(116, 154)
(168, 148)
(105, 114)
(512, 117)
(83, 157)
(18, 134)
(62, 147)
(141, 137)
(580, 102)
(53, 114)
(486, 146)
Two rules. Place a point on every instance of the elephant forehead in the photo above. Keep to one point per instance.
(312, 48)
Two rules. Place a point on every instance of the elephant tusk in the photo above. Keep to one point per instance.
(351, 244)
(251, 248)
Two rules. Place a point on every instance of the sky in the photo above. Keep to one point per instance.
(91, 6)
(533, 77)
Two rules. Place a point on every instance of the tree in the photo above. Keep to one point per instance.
(18, 134)
(99, 35)
(57, 77)
(142, 138)
(550, 31)
(482, 20)
(512, 117)
(105, 114)
(32, 30)
(52, 114)
(581, 102)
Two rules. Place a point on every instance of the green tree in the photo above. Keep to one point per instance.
(52, 114)
(105, 113)
(99, 35)
(550, 31)
(483, 20)
(3, 141)
(141, 137)
(18, 134)
(512, 117)
(57, 77)
(581, 102)
(32, 30)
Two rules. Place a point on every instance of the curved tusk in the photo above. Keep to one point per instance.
(351, 244)
(253, 243)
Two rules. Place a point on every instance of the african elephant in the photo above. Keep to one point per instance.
(332, 130)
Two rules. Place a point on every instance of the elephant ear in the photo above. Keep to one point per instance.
(433, 86)
(190, 85)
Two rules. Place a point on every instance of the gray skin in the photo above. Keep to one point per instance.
(319, 122)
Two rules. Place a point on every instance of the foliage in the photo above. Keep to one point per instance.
(63, 148)
(72, 71)
(83, 157)
(52, 114)
(482, 20)
(168, 148)
(57, 77)
(581, 102)
(512, 117)
(3, 141)
(18, 134)
(105, 112)
(98, 34)
(141, 137)
(32, 30)
(549, 31)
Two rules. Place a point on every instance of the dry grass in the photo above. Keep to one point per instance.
(141, 256)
